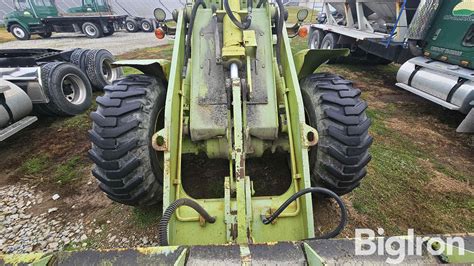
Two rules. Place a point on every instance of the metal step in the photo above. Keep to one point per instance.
(16, 127)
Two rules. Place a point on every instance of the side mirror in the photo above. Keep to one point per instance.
(302, 15)
(160, 14)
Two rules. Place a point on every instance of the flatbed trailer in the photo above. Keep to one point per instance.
(43, 18)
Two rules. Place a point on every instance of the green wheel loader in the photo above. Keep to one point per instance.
(232, 100)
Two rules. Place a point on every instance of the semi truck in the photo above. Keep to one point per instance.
(433, 40)
(43, 18)
(49, 82)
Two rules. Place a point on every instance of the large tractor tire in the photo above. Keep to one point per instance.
(334, 109)
(126, 165)
(19, 32)
(98, 66)
(67, 88)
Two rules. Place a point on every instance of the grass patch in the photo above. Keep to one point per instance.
(158, 52)
(35, 165)
(81, 121)
(144, 217)
(5, 36)
(68, 171)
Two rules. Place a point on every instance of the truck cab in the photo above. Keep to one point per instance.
(91, 6)
(26, 19)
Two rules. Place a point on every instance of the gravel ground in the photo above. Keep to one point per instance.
(22, 230)
(119, 43)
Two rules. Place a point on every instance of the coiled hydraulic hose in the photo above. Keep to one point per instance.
(317, 190)
(248, 20)
(187, 52)
(163, 226)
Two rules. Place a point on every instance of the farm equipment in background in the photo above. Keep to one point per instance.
(232, 102)
(43, 18)
(49, 82)
(91, 6)
(433, 40)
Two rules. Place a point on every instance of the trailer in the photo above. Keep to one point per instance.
(432, 39)
(49, 82)
(43, 18)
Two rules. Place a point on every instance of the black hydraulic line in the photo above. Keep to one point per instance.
(187, 52)
(281, 20)
(317, 190)
(260, 3)
(248, 20)
(163, 226)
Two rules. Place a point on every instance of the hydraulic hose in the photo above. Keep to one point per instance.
(317, 190)
(163, 226)
(248, 20)
(280, 22)
(187, 52)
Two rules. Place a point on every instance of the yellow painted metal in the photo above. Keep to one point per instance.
(232, 35)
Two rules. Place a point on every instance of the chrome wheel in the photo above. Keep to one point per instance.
(74, 89)
(19, 32)
(90, 30)
(146, 26)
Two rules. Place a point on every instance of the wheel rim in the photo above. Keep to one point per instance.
(326, 45)
(146, 26)
(314, 42)
(130, 26)
(73, 89)
(90, 30)
(20, 33)
(108, 72)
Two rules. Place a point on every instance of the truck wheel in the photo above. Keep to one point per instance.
(19, 32)
(146, 25)
(334, 109)
(99, 68)
(131, 26)
(67, 88)
(316, 39)
(110, 30)
(126, 165)
(92, 30)
(79, 57)
(329, 42)
(46, 35)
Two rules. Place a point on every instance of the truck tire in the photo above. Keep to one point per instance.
(146, 25)
(19, 32)
(126, 165)
(67, 88)
(46, 35)
(334, 109)
(92, 30)
(131, 25)
(329, 42)
(316, 39)
(110, 31)
(99, 68)
(79, 58)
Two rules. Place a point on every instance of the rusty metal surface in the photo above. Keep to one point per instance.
(210, 255)
(281, 253)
